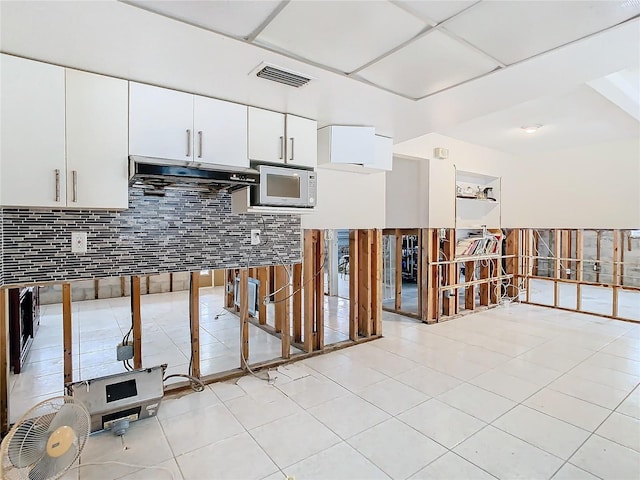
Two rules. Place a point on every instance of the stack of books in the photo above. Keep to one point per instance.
(476, 245)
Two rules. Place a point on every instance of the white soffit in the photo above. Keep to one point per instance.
(575, 118)
(427, 65)
(514, 31)
(235, 18)
(621, 88)
(436, 11)
(340, 35)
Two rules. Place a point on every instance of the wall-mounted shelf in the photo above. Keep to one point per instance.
(472, 210)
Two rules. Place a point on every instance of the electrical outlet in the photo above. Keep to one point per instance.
(255, 236)
(79, 242)
(567, 271)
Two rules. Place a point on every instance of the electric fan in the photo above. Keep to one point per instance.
(46, 441)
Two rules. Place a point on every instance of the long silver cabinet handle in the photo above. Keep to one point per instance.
(200, 143)
(291, 148)
(281, 147)
(74, 175)
(188, 142)
(57, 173)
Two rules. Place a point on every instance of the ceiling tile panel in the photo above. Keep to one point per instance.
(431, 63)
(512, 31)
(234, 18)
(436, 11)
(343, 35)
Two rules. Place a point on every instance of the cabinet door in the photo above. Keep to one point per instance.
(383, 155)
(32, 132)
(302, 141)
(97, 133)
(220, 132)
(160, 122)
(266, 136)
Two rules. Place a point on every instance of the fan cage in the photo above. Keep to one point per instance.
(23, 453)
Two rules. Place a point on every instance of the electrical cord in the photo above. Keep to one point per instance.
(131, 465)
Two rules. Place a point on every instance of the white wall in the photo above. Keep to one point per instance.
(597, 186)
(403, 193)
(348, 200)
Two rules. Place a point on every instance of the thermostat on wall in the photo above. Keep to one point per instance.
(441, 153)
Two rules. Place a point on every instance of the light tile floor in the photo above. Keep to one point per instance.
(454, 400)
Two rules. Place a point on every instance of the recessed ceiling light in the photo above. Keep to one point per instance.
(531, 128)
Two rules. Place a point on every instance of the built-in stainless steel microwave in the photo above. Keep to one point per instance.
(285, 187)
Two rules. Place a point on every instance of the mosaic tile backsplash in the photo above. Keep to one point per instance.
(184, 230)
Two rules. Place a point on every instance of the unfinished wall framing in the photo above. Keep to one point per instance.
(587, 271)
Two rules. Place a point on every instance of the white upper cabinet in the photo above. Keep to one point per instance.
(32, 132)
(220, 132)
(97, 134)
(160, 122)
(302, 141)
(383, 153)
(266, 136)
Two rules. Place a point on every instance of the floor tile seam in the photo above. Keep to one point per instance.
(467, 460)
(346, 439)
(514, 377)
(467, 413)
(588, 401)
(485, 424)
(579, 468)
(539, 447)
(592, 434)
(636, 450)
(626, 414)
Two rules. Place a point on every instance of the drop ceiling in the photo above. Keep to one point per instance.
(414, 49)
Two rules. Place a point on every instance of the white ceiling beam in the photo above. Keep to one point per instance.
(620, 92)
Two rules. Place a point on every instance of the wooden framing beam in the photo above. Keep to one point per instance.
(354, 256)
(398, 279)
(171, 282)
(616, 271)
(308, 267)
(598, 254)
(470, 290)
(281, 307)
(364, 285)
(96, 288)
(194, 322)
(297, 303)
(557, 267)
(229, 279)
(148, 284)
(244, 318)
(318, 288)
(263, 278)
(565, 252)
(136, 321)
(483, 288)
(433, 292)
(4, 361)
(450, 302)
(376, 283)
(579, 268)
(67, 333)
(423, 273)
(122, 286)
(513, 262)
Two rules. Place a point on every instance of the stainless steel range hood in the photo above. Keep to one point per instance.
(155, 174)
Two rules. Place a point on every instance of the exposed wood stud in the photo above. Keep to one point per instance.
(297, 303)
(433, 293)
(616, 271)
(194, 319)
(318, 286)
(621, 268)
(450, 301)
(354, 303)
(263, 278)
(513, 264)
(565, 252)
(244, 318)
(469, 291)
(557, 267)
(364, 287)
(67, 342)
(308, 266)
(484, 288)
(281, 308)
(122, 286)
(376, 281)
(579, 268)
(424, 270)
(136, 321)
(598, 253)
(229, 283)
(398, 272)
(96, 288)
(4, 361)
(171, 282)
(148, 284)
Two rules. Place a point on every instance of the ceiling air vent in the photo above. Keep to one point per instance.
(275, 74)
